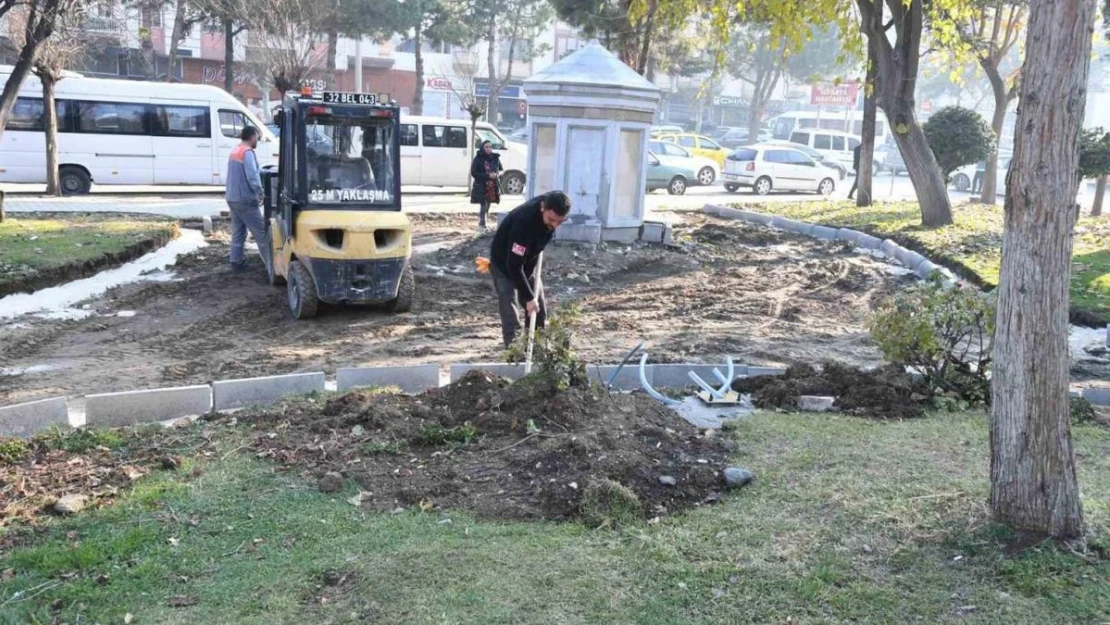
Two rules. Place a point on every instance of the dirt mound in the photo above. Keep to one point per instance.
(500, 450)
(886, 393)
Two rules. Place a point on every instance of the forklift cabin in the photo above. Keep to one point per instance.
(333, 205)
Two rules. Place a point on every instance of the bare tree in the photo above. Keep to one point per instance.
(466, 65)
(34, 20)
(1033, 479)
(285, 45)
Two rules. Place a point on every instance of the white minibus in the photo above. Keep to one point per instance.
(123, 132)
(437, 152)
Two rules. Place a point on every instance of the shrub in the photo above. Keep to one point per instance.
(958, 137)
(1082, 411)
(552, 354)
(1094, 153)
(79, 440)
(12, 450)
(609, 503)
(434, 434)
(943, 332)
(376, 448)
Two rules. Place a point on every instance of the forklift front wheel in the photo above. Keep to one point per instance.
(302, 291)
(405, 292)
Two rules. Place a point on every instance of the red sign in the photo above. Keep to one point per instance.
(926, 106)
(843, 95)
(440, 83)
(522, 107)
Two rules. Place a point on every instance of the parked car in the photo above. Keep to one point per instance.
(839, 168)
(698, 145)
(667, 129)
(964, 177)
(707, 168)
(835, 145)
(740, 136)
(670, 173)
(720, 131)
(520, 135)
(766, 168)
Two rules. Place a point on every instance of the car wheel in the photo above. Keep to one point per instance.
(826, 187)
(74, 180)
(677, 186)
(961, 182)
(732, 188)
(762, 186)
(301, 291)
(706, 176)
(513, 183)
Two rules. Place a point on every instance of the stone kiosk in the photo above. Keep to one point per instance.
(590, 119)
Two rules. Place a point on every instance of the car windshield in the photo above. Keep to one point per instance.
(485, 134)
(350, 161)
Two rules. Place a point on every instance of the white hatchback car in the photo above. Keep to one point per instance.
(767, 168)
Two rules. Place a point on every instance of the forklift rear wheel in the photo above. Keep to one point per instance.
(302, 292)
(405, 292)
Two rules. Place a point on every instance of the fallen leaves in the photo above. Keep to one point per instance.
(182, 601)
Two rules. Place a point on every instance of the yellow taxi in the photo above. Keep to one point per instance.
(697, 145)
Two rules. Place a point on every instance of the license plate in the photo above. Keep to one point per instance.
(731, 177)
(334, 97)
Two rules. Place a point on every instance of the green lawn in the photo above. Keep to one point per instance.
(34, 249)
(849, 521)
(972, 246)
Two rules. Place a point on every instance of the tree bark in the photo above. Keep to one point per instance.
(493, 87)
(418, 93)
(1033, 481)
(645, 45)
(1100, 193)
(40, 25)
(229, 56)
(864, 195)
(50, 119)
(1001, 101)
(897, 66)
(176, 38)
(333, 51)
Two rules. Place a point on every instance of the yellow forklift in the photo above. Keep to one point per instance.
(333, 204)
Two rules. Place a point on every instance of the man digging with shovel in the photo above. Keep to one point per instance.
(515, 261)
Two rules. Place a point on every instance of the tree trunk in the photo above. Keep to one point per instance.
(15, 80)
(897, 66)
(1001, 101)
(50, 119)
(333, 51)
(1033, 481)
(418, 93)
(3, 211)
(176, 38)
(645, 46)
(864, 195)
(229, 56)
(1100, 193)
(493, 87)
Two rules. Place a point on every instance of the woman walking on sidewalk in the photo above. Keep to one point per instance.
(485, 169)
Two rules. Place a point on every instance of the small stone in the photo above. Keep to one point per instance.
(667, 480)
(71, 504)
(868, 549)
(815, 403)
(171, 463)
(331, 482)
(358, 431)
(736, 477)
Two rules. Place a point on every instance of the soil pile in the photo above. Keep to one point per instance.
(500, 450)
(885, 393)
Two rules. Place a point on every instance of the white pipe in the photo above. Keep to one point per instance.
(358, 65)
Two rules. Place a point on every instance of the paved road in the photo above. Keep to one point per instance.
(185, 202)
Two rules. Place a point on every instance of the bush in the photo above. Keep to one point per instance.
(12, 450)
(958, 137)
(434, 434)
(1094, 153)
(552, 354)
(945, 333)
(1082, 411)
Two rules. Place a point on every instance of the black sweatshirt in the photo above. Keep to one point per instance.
(517, 245)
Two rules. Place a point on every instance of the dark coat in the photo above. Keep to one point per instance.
(485, 189)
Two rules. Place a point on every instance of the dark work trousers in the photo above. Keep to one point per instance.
(247, 216)
(510, 308)
(977, 182)
(855, 185)
(483, 211)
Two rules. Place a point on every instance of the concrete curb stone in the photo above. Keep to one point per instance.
(147, 406)
(228, 394)
(411, 379)
(32, 417)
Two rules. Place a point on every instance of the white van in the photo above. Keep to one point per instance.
(833, 145)
(123, 132)
(437, 152)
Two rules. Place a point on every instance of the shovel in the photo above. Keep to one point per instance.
(532, 320)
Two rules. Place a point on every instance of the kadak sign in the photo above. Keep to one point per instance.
(842, 95)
